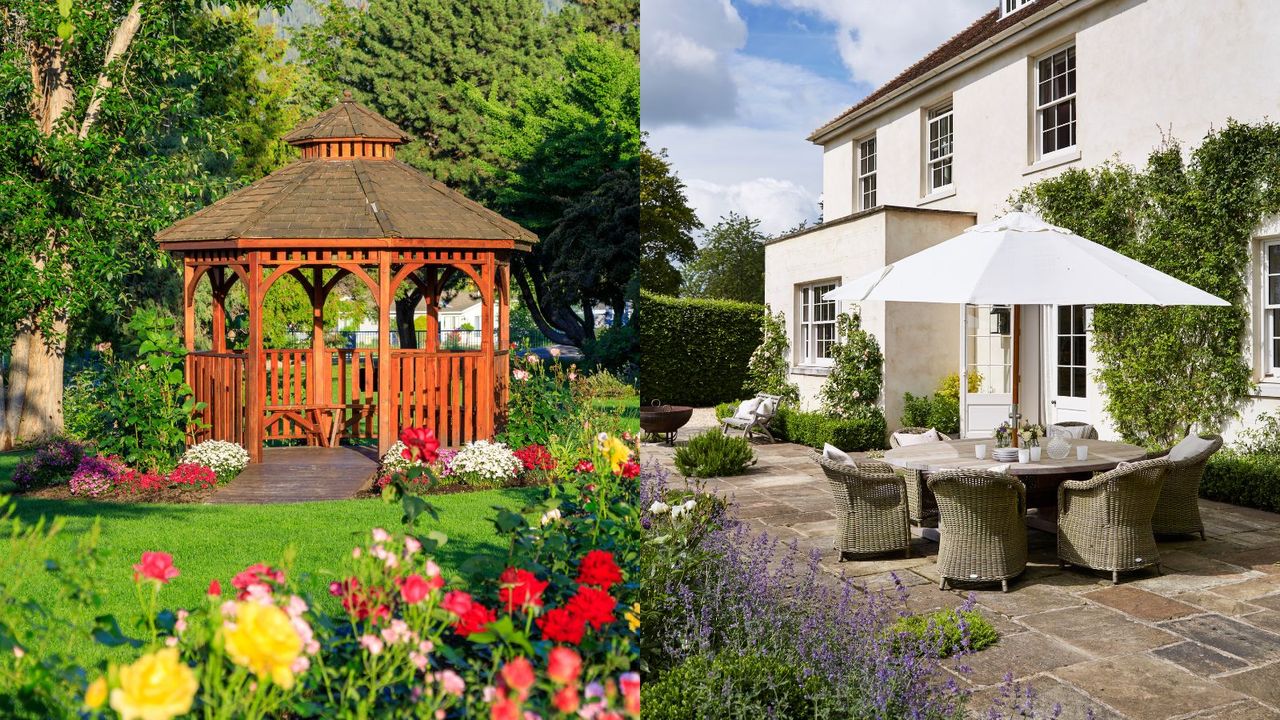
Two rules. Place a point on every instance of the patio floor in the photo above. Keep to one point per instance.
(1200, 641)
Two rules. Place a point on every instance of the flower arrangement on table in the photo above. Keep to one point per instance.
(1004, 435)
(1030, 434)
(549, 629)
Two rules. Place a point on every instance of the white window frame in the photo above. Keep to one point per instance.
(867, 179)
(1040, 109)
(1072, 335)
(808, 297)
(1270, 313)
(934, 157)
(1008, 7)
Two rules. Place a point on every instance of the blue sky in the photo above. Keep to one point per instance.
(731, 88)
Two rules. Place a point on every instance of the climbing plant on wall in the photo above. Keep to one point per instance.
(852, 389)
(1168, 369)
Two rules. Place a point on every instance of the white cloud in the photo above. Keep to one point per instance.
(684, 70)
(778, 204)
(774, 94)
(878, 40)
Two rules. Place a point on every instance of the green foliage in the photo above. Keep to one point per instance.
(540, 401)
(941, 629)
(729, 264)
(714, 454)
(936, 411)
(140, 407)
(857, 371)
(604, 384)
(695, 351)
(864, 430)
(769, 369)
(1167, 369)
(755, 685)
(1262, 436)
(949, 386)
(725, 409)
(1243, 478)
(666, 221)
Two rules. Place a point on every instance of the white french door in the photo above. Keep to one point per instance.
(988, 337)
(1069, 364)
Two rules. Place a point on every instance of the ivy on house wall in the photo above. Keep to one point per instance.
(1168, 369)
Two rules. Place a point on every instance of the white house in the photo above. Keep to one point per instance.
(1028, 90)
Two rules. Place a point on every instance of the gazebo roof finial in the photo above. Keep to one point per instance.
(347, 120)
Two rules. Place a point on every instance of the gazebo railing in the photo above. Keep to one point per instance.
(217, 380)
(438, 390)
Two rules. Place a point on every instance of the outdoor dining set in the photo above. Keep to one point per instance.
(1106, 503)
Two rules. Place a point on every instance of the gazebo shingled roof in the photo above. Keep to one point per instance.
(347, 207)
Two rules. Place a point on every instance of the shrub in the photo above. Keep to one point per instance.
(755, 685)
(769, 370)
(727, 409)
(857, 370)
(695, 351)
(485, 464)
(713, 454)
(1250, 479)
(942, 629)
(1263, 436)
(614, 349)
(52, 464)
(936, 411)
(604, 384)
(852, 434)
(225, 459)
(96, 475)
(541, 401)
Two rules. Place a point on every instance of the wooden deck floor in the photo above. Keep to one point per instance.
(299, 474)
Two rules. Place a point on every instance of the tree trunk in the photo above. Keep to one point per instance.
(404, 319)
(42, 416)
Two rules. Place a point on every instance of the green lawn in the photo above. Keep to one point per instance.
(209, 541)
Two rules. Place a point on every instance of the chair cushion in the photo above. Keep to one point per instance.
(1002, 469)
(767, 407)
(747, 409)
(905, 439)
(1190, 446)
(1069, 431)
(835, 454)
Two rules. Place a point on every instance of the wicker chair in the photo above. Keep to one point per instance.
(872, 504)
(1093, 431)
(1178, 508)
(984, 527)
(1105, 523)
(893, 441)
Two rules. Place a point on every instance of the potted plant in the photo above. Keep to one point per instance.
(1030, 434)
(1004, 434)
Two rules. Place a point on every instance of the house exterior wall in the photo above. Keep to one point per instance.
(1146, 70)
(906, 331)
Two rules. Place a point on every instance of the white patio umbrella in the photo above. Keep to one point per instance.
(1020, 259)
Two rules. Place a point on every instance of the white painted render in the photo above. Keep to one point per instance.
(1146, 70)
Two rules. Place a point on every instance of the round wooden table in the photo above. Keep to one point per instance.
(1041, 478)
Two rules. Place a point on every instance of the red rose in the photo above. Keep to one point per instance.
(504, 708)
(598, 568)
(414, 589)
(593, 606)
(630, 469)
(474, 620)
(256, 574)
(584, 466)
(215, 588)
(156, 566)
(564, 665)
(518, 675)
(360, 605)
(457, 602)
(566, 699)
(520, 588)
(421, 444)
(561, 625)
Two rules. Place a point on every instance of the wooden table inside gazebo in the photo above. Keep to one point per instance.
(1041, 478)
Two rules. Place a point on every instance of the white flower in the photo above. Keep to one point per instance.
(550, 516)
(690, 504)
(677, 511)
(659, 507)
(225, 459)
(486, 461)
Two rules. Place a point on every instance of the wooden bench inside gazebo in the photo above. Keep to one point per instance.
(347, 207)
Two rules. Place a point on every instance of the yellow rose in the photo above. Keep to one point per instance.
(633, 617)
(264, 640)
(95, 694)
(615, 451)
(158, 686)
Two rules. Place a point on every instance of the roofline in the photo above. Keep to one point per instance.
(952, 67)
(851, 217)
(272, 243)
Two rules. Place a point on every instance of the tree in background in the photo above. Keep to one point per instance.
(667, 223)
(730, 262)
(105, 137)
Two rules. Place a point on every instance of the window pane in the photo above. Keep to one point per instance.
(1077, 382)
(1064, 350)
(1064, 318)
(1077, 319)
(1273, 258)
(1064, 381)
(1077, 351)
(1273, 289)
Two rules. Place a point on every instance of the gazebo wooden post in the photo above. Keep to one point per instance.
(188, 306)
(386, 403)
(255, 381)
(432, 339)
(218, 280)
(320, 391)
(485, 394)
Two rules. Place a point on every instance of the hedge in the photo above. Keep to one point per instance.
(815, 429)
(1252, 480)
(693, 351)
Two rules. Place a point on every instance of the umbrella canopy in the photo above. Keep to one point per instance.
(1019, 259)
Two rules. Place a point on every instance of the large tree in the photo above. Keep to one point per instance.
(667, 223)
(104, 138)
(730, 262)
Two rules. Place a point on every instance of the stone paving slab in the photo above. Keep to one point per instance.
(1200, 641)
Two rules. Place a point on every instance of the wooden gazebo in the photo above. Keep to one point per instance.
(347, 207)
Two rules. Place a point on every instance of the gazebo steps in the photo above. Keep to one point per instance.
(301, 474)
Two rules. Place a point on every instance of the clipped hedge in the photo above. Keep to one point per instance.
(815, 429)
(693, 351)
(1251, 479)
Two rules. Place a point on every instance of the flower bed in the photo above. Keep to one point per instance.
(108, 478)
